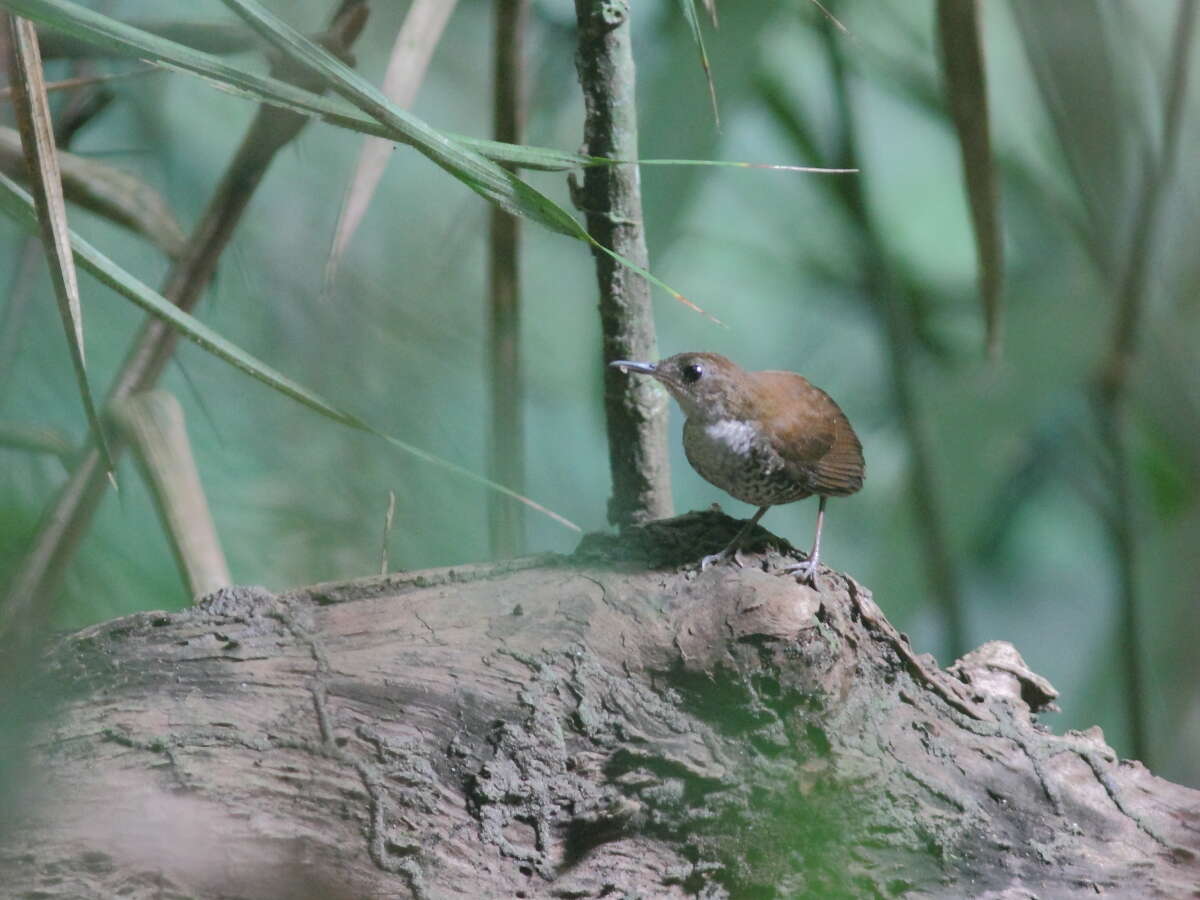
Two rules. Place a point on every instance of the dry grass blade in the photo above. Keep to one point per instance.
(693, 20)
(117, 196)
(37, 440)
(415, 43)
(154, 424)
(966, 90)
(32, 111)
(18, 206)
(388, 518)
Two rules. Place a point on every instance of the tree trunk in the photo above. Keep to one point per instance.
(635, 409)
(604, 725)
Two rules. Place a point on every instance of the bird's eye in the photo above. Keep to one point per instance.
(692, 372)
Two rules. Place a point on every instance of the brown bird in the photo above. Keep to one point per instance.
(764, 437)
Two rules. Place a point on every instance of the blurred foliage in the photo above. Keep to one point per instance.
(399, 340)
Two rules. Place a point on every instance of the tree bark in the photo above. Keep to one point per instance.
(601, 725)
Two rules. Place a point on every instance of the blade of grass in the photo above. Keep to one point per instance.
(966, 90)
(211, 37)
(480, 174)
(99, 30)
(19, 206)
(509, 193)
(32, 110)
(460, 158)
(418, 37)
(688, 8)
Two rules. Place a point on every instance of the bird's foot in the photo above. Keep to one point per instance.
(805, 571)
(719, 559)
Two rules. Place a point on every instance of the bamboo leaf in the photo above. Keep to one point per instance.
(17, 204)
(688, 8)
(966, 90)
(118, 196)
(479, 173)
(32, 111)
(37, 439)
(385, 120)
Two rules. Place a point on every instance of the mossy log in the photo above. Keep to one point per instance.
(611, 724)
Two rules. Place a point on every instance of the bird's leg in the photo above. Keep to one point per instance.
(806, 571)
(731, 551)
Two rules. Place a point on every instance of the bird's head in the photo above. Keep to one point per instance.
(706, 385)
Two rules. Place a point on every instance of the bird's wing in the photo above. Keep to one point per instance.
(813, 436)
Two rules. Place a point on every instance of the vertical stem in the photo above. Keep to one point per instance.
(891, 308)
(636, 410)
(507, 456)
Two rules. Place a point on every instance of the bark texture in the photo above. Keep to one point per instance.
(611, 198)
(604, 725)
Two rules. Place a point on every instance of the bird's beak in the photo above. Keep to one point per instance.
(626, 365)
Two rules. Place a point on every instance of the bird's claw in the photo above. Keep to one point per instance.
(805, 571)
(716, 559)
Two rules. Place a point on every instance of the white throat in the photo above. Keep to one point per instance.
(736, 434)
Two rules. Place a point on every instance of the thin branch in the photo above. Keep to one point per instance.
(507, 451)
(610, 196)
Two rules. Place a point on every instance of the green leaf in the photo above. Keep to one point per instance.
(32, 111)
(19, 206)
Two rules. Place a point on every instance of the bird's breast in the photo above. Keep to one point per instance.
(734, 455)
(730, 436)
